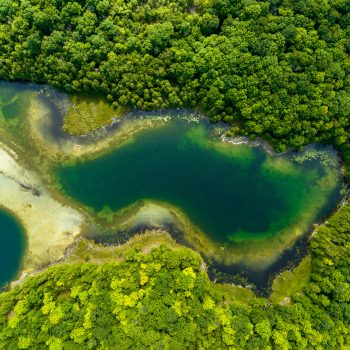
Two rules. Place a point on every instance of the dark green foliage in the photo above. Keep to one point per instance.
(279, 69)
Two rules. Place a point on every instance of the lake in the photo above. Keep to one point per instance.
(236, 195)
(238, 205)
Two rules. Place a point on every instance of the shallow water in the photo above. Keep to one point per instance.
(232, 193)
(13, 101)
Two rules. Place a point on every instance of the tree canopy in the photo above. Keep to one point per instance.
(164, 300)
(278, 69)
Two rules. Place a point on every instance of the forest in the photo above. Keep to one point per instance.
(164, 300)
(277, 69)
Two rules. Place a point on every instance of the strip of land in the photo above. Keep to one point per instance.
(50, 226)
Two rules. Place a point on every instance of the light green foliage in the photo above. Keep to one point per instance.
(24, 342)
(288, 283)
(164, 299)
(115, 306)
(88, 113)
(234, 294)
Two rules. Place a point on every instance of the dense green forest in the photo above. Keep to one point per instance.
(164, 300)
(277, 68)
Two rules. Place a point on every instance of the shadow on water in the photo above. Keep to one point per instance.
(258, 281)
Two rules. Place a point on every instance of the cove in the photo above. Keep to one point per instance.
(11, 247)
(237, 204)
(50, 226)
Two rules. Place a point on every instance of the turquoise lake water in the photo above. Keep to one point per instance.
(232, 193)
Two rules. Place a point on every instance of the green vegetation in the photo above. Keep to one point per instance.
(290, 282)
(276, 68)
(233, 294)
(279, 69)
(88, 251)
(164, 299)
(88, 113)
(9, 107)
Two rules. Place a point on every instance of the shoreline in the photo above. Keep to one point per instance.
(243, 260)
(102, 145)
(49, 226)
(45, 123)
(100, 142)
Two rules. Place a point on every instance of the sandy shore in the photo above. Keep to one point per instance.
(50, 227)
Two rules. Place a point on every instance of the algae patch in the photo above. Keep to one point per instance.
(89, 113)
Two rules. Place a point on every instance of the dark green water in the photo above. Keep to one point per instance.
(232, 193)
(11, 247)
